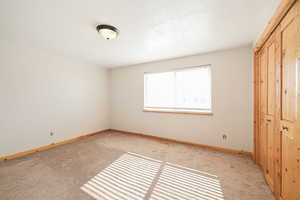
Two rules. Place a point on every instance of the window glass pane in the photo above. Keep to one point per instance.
(180, 89)
(193, 88)
(160, 90)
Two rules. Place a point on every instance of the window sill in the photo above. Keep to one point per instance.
(174, 111)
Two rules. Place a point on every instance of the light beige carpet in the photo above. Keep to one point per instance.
(118, 166)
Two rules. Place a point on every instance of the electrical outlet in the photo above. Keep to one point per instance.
(51, 133)
(224, 136)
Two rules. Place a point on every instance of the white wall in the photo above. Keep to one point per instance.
(268, 13)
(40, 92)
(232, 101)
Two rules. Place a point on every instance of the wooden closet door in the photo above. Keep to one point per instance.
(290, 120)
(263, 87)
(270, 117)
(276, 122)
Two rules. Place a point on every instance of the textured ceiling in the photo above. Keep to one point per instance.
(150, 30)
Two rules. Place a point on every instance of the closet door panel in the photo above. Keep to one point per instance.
(270, 167)
(263, 144)
(263, 82)
(290, 163)
(271, 78)
(277, 116)
(290, 120)
(271, 110)
(289, 69)
(263, 110)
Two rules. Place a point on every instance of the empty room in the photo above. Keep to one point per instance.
(150, 100)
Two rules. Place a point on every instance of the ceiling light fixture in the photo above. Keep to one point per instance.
(107, 31)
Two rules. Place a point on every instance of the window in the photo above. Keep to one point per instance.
(183, 90)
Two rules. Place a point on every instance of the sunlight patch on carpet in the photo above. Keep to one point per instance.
(136, 177)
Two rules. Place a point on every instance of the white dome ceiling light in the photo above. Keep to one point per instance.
(107, 31)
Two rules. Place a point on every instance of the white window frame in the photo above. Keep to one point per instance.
(180, 109)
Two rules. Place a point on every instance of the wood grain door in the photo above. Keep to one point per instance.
(290, 120)
(263, 87)
(267, 107)
(270, 117)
